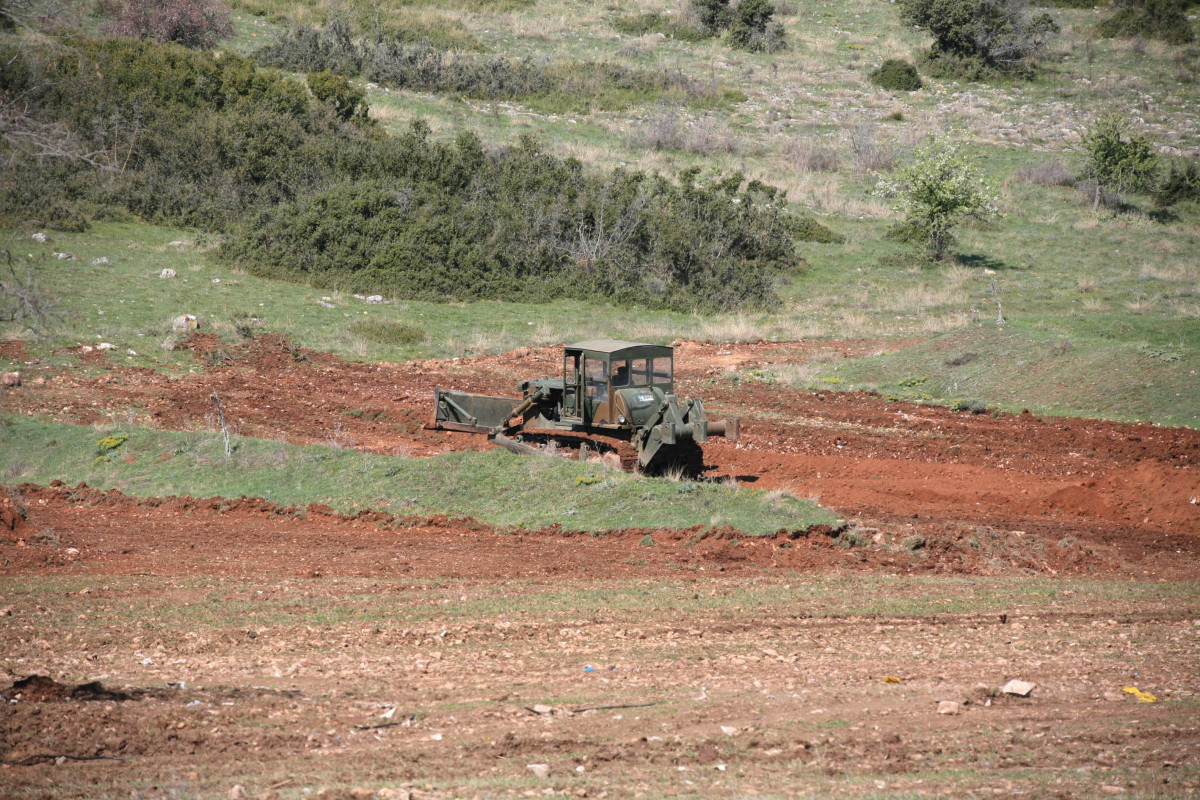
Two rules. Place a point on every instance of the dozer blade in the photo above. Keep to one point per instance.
(477, 413)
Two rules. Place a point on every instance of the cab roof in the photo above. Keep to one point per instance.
(616, 347)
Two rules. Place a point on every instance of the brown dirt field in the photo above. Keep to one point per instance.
(299, 653)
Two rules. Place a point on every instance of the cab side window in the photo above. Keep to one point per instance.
(620, 373)
(596, 373)
(662, 370)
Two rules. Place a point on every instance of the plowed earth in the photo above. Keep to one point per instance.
(209, 644)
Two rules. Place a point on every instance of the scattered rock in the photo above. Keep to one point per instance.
(185, 322)
(362, 793)
(105, 346)
(38, 237)
(541, 770)
(949, 707)
(541, 708)
(101, 261)
(175, 243)
(1019, 688)
(375, 299)
(64, 257)
(728, 730)
(11, 379)
(323, 304)
(167, 273)
(238, 792)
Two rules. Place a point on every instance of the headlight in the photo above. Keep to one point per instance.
(621, 419)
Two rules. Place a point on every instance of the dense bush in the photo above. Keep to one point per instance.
(522, 225)
(348, 100)
(1165, 20)
(213, 142)
(896, 76)
(752, 28)
(191, 23)
(974, 39)
(1180, 184)
(421, 67)
(748, 23)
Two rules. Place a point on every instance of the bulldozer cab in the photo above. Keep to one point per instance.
(594, 371)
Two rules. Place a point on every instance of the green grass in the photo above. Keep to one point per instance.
(1015, 367)
(497, 488)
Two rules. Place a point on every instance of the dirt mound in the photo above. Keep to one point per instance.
(12, 515)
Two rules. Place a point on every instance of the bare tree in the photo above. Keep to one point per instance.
(46, 140)
(22, 300)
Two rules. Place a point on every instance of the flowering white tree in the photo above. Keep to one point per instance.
(936, 189)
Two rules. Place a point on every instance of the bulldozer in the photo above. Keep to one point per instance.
(614, 398)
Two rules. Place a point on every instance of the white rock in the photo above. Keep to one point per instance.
(38, 237)
(175, 243)
(323, 304)
(541, 708)
(65, 256)
(105, 346)
(375, 299)
(101, 261)
(185, 322)
(541, 770)
(237, 792)
(131, 352)
(949, 707)
(167, 273)
(1019, 688)
(10, 379)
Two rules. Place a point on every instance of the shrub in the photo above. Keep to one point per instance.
(940, 186)
(896, 76)
(558, 86)
(976, 38)
(348, 101)
(1180, 184)
(1164, 20)
(520, 224)
(751, 28)
(713, 15)
(191, 23)
(1117, 160)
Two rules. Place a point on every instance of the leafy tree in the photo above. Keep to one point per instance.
(935, 190)
(980, 34)
(191, 23)
(1118, 160)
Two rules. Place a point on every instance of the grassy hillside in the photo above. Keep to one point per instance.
(1104, 305)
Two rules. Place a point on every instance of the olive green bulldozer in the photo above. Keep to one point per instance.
(614, 398)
